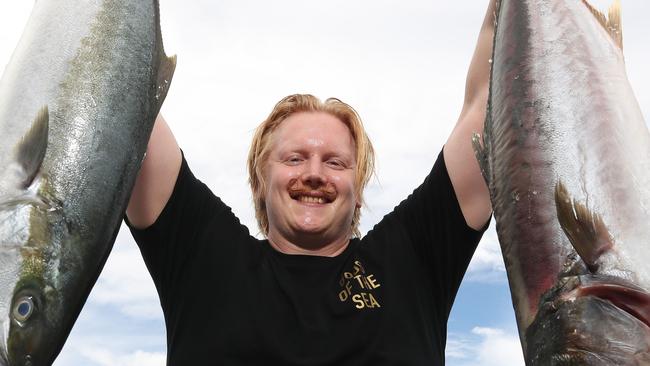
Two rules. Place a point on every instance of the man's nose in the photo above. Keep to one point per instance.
(313, 176)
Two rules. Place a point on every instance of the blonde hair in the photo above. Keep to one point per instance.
(260, 149)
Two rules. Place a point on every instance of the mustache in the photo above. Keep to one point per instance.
(297, 188)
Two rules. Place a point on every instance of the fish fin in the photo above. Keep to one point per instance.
(30, 151)
(615, 24)
(585, 228)
(165, 73)
(479, 150)
(167, 64)
(611, 22)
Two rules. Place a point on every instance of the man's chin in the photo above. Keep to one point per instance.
(313, 234)
(309, 231)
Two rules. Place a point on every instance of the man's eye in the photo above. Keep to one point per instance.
(293, 160)
(336, 164)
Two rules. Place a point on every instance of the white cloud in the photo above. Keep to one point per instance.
(458, 349)
(484, 347)
(125, 282)
(104, 357)
(487, 264)
(498, 348)
(103, 336)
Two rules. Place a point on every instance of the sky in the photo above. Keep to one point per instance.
(402, 65)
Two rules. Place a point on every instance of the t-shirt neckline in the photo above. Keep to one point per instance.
(309, 260)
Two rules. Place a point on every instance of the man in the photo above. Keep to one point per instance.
(312, 293)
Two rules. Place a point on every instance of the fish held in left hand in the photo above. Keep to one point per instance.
(78, 100)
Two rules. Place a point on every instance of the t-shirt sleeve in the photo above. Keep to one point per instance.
(171, 244)
(436, 232)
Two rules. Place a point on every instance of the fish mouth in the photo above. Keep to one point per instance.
(629, 298)
(591, 320)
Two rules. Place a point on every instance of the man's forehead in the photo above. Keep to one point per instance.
(315, 129)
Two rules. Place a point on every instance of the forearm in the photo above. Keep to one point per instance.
(470, 188)
(157, 176)
(478, 74)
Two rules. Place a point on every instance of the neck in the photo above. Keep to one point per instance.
(308, 245)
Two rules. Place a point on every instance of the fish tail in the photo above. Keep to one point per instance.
(610, 22)
(167, 64)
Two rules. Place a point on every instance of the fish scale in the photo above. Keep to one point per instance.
(78, 100)
(565, 153)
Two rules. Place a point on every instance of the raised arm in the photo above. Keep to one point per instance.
(157, 177)
(470, 188)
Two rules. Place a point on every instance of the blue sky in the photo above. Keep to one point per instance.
(402, 65)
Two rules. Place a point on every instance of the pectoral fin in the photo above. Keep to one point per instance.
(30, 151)
(584, 228)
(479, 150)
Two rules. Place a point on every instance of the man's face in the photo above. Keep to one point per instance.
(310, 196)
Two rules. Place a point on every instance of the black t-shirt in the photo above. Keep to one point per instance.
(231, 299)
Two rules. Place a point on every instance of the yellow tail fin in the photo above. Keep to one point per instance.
(611, 22)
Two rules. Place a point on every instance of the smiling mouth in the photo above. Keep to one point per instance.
(308, 199)
(312, 199)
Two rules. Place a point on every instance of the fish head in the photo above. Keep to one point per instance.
(27, 340)
(13, 232)
(29, 306)
(591, 320)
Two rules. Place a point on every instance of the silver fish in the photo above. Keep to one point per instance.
(566, 154)
(77, 104)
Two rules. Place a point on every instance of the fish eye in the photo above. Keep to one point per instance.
(23, 309)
